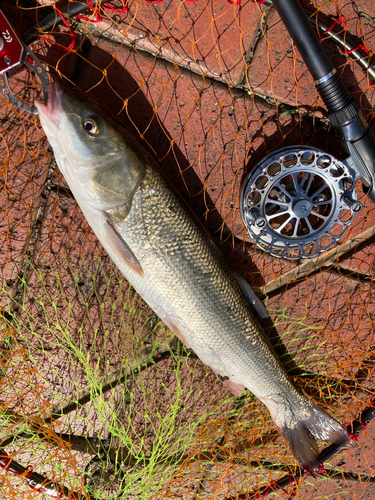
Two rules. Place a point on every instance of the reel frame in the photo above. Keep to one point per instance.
(298, 201)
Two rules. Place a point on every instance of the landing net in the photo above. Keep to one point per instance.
(97, 395)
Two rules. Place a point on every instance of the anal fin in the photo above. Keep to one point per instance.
(168, 320)
(233, 387)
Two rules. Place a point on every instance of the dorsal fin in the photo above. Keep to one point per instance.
(249, 294)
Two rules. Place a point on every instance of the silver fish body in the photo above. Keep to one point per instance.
(171, 262)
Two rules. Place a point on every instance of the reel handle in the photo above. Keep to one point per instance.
(344, 113)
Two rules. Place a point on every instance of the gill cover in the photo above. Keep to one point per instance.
(103, 168)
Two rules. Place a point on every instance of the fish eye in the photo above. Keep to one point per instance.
(90, 126)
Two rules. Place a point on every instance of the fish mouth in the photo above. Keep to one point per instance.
(51, 111)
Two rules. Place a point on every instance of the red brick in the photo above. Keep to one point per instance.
(324, 487)
(362, 261)
(278, 71)
(215, 132)
(23, 168)
(78, 306)
(328, 326)
(210, 38)
(361, 459)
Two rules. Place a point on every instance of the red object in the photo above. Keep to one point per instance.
(73, 36)
(124, 7)
(360, 46)
(340, 18)
(353, 437)
(11, 48)
(99, 19)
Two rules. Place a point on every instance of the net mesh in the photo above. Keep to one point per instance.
(96, 394)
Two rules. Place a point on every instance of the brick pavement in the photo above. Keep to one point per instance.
(194, 110)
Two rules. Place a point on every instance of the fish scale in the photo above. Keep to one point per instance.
(210, 302)
(159, 247)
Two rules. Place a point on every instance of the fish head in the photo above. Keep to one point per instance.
(102, 168)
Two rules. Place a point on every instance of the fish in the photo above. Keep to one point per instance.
(169, 259)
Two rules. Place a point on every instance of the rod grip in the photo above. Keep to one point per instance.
(334, 93)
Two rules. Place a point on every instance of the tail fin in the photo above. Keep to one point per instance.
(301, 437)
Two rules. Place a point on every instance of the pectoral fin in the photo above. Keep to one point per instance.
(121, 248)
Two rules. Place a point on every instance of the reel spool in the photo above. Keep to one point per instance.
(298, 201)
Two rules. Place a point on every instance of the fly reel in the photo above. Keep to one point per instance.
(298, 201)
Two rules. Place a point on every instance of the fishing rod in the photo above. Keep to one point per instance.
(344, 113)
(299, 201)
(355, 51)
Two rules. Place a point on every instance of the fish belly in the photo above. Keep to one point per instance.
(191, 287)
